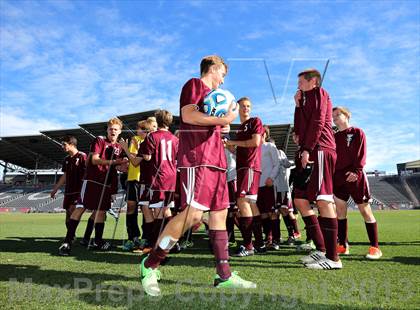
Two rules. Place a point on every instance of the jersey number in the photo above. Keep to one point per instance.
(166, 148)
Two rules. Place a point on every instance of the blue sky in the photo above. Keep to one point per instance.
(69, 62)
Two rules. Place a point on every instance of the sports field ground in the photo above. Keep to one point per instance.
(33, 276)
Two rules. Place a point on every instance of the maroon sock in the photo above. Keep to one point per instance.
(267, 229)
(245, 225)
(257, 230)
(147, 230)
(219, 241)
(288, 224)
(275, 227)
(294, 225)
(329, 227)
(230, 227)
(342, 232)
(156, 256)
(313, 231)
(157, 226)
(71, 231)
(372, 231)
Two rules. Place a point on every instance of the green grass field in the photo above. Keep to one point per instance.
(32, 276)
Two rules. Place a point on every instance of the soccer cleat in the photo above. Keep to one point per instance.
(325, 263)
(233, 244)
(84, 242)
(234, 281)
(290, 241)
(275, 245)
(343, 249)
(101, 246)
(175, 249)
(306, 247)
(186, 244)
(128, 246)
(313, 257)
(242, 252)
(374, 253)
(261, 250)
(149, 279)
(64, 249)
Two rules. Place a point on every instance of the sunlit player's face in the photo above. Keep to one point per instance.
(154, 127)
(65, 146)
(113, 132)
(306, 85)
(219, 74)
(339, 118)
(245, 109)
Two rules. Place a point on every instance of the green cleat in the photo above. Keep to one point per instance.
(234, 281)
(149, 279)
(128, 246)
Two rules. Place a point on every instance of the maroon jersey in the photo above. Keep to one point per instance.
(75, 168)
(351, 149)
(249, 157)
(106, 150)
(313, 121)
(162, 145)
(198, 145)
(145, 166)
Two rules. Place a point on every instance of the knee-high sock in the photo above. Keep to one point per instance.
(372, 231)
(342, 232)
(288, 224)
(99, 232)
(313, 230)
(294, 224)
(257, 230)
(230, 227)
(155, 257)
(245, 225)
(329, 229)
(129, 225)
(89, 229)
(267, 229)
(219, 241)
(147, 230)
(275, 227)
(71, 231)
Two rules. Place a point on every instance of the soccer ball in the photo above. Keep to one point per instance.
(217, 102)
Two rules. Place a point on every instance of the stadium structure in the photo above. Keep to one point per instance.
(32, 165)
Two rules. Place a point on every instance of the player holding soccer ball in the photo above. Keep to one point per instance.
(202, 165)
(351, 180)
(248, 169)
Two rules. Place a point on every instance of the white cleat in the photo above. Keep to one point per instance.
(313, 257)
(325, 264)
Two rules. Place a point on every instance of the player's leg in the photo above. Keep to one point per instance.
(88, 230)
(131, 219)
(74, 221)
(371, 229)
(341, 207)
(100, 244)
(245, 225)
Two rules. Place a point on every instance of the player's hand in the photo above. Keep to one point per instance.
(298, 97)
(228, 142)
(269, 182)
(225, 129)
(232, 114)
(119, 161)
(351, 176)
(124, 144)
(305, 159)
(113, 198)
(53, 192)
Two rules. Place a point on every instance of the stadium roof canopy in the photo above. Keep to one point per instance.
(44, 151)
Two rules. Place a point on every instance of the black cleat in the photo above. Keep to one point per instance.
(64, 249)
(261, 250)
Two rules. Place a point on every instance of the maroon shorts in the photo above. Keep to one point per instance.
(160, 199)
(284, 201)
(266, 199)
(232, 193)
(144, 195)
(70, 200)
(248, 183)
(320, 186)
(204, 188)
(90, 196)
(358, 190)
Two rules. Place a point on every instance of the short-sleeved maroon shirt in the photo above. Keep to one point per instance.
(75, 168)
(249, 157)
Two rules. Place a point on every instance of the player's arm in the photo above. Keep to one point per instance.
(133, 158)
(192, 116)
(255, 141)
(359, 159)
(96, 160)
(61, 182)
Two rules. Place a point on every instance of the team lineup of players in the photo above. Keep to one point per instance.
(175, 179)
